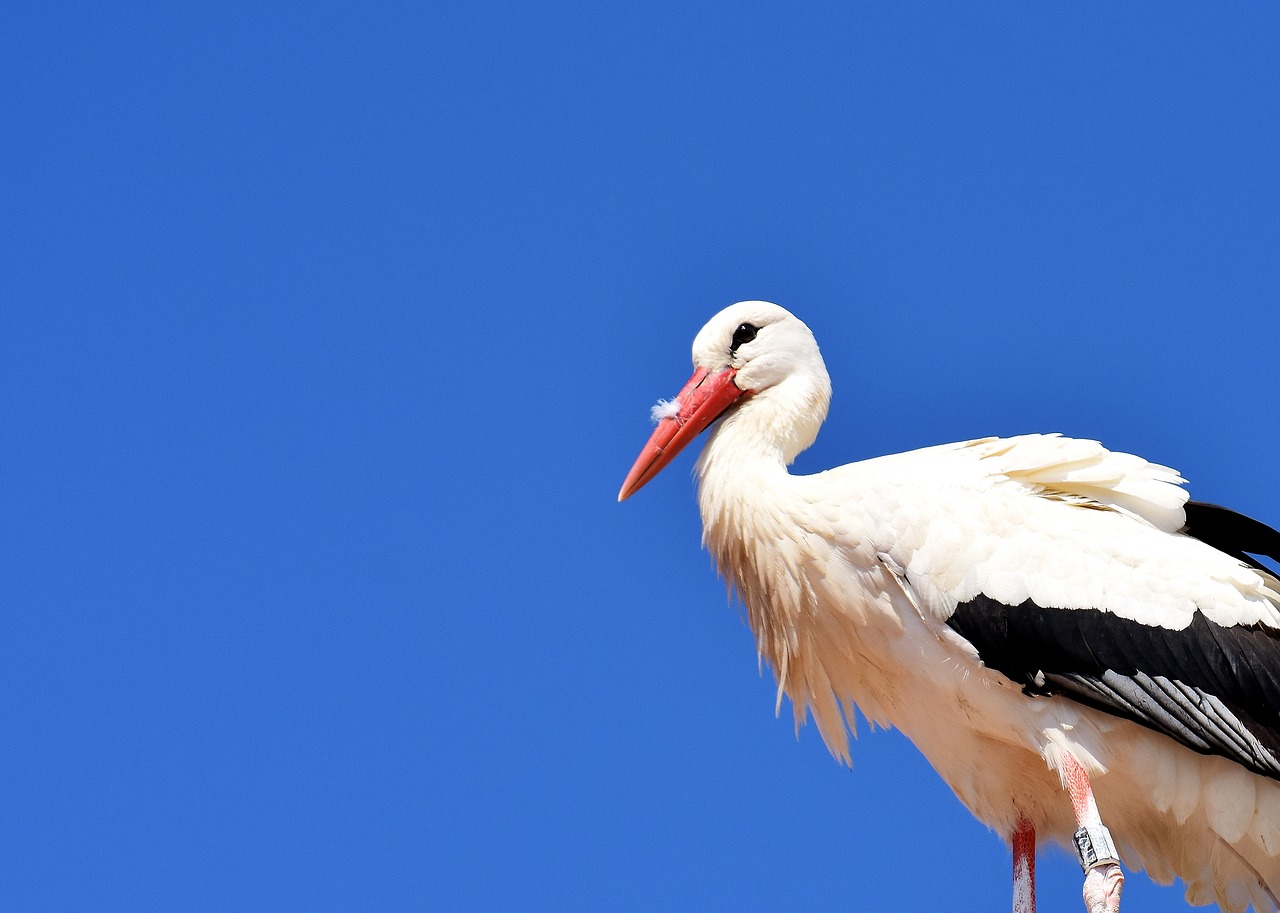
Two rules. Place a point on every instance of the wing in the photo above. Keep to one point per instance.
(1076, 571)
(1214, 688)
(1058, 522)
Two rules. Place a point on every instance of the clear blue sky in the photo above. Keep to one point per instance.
(330, 331)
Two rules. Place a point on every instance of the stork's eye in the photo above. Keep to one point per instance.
(743, 334)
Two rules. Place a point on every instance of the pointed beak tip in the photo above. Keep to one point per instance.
(629, 487)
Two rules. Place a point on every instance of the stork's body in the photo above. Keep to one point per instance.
(1016, 607)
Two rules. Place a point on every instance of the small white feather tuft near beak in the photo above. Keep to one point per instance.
(664, 408)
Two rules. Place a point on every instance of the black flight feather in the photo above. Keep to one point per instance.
(1215, 689)
(1235, 534)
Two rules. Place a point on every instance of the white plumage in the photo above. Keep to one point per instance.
(927, 589)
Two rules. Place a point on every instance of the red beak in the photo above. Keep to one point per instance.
(703, 400)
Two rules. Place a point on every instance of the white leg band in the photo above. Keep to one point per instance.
(1094, 844)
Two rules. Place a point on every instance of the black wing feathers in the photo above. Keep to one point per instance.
(1235, 534)
(1215, 689)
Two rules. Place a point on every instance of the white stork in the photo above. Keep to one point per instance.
(1066, 637)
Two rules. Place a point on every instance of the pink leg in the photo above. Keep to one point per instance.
(1103, 879)
(1024, 867)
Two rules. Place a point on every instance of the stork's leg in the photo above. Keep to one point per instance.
(1103, 879)
(1024, 867)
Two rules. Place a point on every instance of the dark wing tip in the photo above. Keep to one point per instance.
(1232, 533)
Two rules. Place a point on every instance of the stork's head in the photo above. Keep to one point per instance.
(753, 357)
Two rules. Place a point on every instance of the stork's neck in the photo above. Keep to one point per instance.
(744, 489)
(766, 432)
